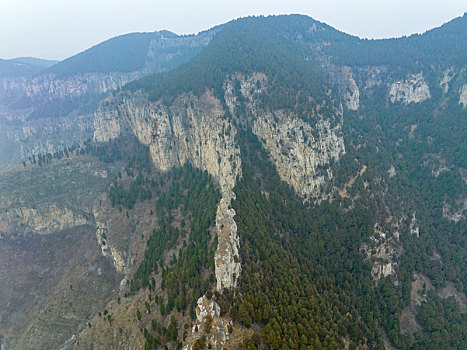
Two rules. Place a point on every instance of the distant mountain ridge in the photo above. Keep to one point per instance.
(23, 66)
(144, 52)
(445, 45)
(36, 61)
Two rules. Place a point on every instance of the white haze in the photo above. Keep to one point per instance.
(56, 29)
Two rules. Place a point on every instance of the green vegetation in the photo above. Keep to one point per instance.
(140, 188)
(285, 48)
(189, 273)
(129, 53)
(164, 334)
(125, 53)
(123, 148)
(303, 279)
(249, 45)
(315, 286)
(444, 325)
(443, 47)
(437, 141)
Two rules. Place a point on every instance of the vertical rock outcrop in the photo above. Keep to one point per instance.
(301, 159)
(191, 129)
(351, 93)
(196, 129)
(413, 89)
(382, 250)
(103, 226)
(106, 126)
(210, 325)
(463, 96)
(448, 75)
(227, 259)
(302, 153)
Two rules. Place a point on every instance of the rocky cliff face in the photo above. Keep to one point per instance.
(49, 86)
(351, 93)
(301, 159)
(52, 272)
(463, 95)
(448, 74)
(103, 226)
(167, 51)
(208, 312)
(302, 153)
(40, 221)
(382, 251)
(36, 199)
(413, 89)
(20, 140)
(37, 114)
(191, 129)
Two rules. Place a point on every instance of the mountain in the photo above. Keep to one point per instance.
(23, 66)
(151, 52)
(56, 102)
(35, 61)
(287, 186)
(443, 46)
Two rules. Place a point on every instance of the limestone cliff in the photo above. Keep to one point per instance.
(463, 95)
(52, 110)
(197, 129)
(448, 75)
(302, 153)
(103, 225)
(19, 140)
(209, 324)
(50, 86)
(352, 93)
(301, 159)
(413, 89)
(53, 197)
(382, 250)
(41, 221)
(53, 276)
(45, 113)
(190, 129)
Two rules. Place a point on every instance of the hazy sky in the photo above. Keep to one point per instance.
(56, 29)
